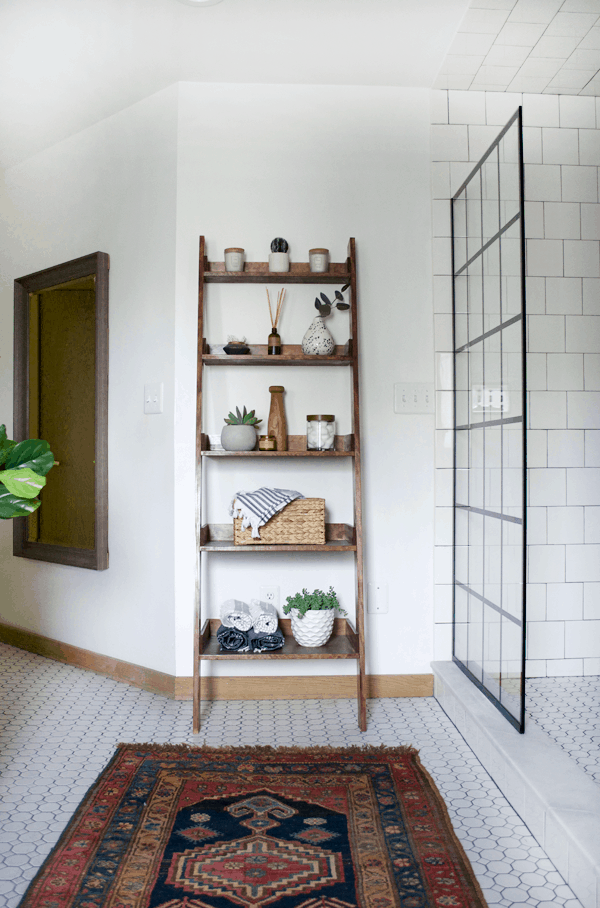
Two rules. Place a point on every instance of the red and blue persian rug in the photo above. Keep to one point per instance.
(179, 827)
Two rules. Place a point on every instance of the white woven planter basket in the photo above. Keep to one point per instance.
(314, 629)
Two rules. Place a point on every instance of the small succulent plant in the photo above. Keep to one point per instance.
(279, 245)
(315, 601)
(324, 305)
(242, 419)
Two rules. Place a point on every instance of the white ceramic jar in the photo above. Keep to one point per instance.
(279, 261)
(234, 259)
(318, 260)
(320, 432)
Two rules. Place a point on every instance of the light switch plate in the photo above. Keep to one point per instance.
(153, 397)
(377, 598)
(414, 397)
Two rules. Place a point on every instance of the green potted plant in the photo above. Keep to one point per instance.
(23, 469)
(312, 615)
(239, 433)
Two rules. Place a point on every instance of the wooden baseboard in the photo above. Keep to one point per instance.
(297, 687)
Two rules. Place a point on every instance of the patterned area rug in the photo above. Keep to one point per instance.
(179, 827)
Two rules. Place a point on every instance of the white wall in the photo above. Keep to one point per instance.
(562, 152)
(110, 188)
(315, 165)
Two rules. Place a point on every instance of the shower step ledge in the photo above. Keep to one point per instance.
(558, 802)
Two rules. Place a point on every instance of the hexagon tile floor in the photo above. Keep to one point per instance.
(59, 726)
(568, 709)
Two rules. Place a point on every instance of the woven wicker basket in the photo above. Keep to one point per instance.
(302, 522)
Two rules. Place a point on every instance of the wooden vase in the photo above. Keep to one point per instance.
(277, 423)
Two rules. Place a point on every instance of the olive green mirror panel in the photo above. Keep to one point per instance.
(61, 395)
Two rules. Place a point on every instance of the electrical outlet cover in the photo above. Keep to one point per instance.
(270, 594)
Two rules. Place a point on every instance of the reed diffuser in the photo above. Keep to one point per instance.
(274, 342)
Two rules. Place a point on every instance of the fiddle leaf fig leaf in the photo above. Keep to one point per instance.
(15, 506)
(6, 445)
(26, 453)
(23, 482)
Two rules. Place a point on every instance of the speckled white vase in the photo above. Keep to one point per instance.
(315, 628)
(318, 339)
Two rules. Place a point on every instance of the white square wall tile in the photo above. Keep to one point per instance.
(546, 334)
(592, 525)
(442, 642)
(564, 601)
(444, 409)
(438, 106)
(480, 139)
(543, 183)
(440, 179)
(565, 525)
(583, 409)
(545, 639)
(547, 488)
(579, 184)
(592, 448)
(591, 667)
(591, 371)
(562, 220)
(590, 221)
(444, 488)
(500, 106)
(564, 668)
(565, 371)
(449, 143)
(444, 449)
(443, 333)
(534, 220)
(547, 410)
(582, 639)
(565, 448)
(535, 668)
(591, 601)
(536, 601)
(545, 258)
(442, 256)
(442, 603)
(560, 146)
(591, 296)
(466, 107)
(442, 293)
(536, 526)
(537, 449)
(582, 258)
(532, 144)
(540, 110)
(444, 522)
(577, 113)
(563, 295)
(583, 486)
(582, 334)
(536, 371)
(444, 378)
(535, 295)
(441, 218)
(589, 146)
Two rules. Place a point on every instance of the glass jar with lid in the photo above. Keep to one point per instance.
(320, 432)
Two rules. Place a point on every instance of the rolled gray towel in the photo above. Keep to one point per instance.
(265, 617)
(235, 613)
(265, 643)
(233, 640)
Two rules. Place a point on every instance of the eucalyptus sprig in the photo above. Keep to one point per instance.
(242, 419)
(325, 305)
(315, 601)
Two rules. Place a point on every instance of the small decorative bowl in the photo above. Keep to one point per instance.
(236, 349)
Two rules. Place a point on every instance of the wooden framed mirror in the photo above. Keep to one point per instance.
(61, 395)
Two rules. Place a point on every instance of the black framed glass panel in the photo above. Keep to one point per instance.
(489, 397)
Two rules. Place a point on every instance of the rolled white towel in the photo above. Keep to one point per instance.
(235, 613)
(265, 617)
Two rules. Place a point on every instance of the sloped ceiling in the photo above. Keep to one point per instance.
(65, 64)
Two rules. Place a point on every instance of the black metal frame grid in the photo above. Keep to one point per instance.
(518, 719)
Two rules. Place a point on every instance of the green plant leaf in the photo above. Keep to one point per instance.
(339, 296)
(325, 299)
(6, 445)
(25, 452)
(13, 506)
(23, 482)
(324, 310)
(345, 287)
(239, 415)
(343, 306)
(246, 412)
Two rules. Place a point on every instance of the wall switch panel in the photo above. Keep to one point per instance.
(414, 397)
(153, 397)
(377, 598)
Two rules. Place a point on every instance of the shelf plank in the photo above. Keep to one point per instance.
(258, 273)
(291, 355)
(341, 645)
(296, 447)
(340, 537)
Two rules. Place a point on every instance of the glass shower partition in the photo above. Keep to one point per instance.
(488, 267)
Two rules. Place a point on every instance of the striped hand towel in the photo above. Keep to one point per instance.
(255, 508)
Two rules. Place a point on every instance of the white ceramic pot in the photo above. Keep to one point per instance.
(279, 261)
(315, 628)
(318, 339)
(238, 438)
